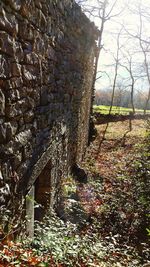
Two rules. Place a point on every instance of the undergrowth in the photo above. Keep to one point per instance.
(115, 232)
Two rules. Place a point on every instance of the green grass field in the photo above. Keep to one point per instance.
(116, 110)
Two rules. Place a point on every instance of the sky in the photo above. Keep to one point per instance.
(127, 19)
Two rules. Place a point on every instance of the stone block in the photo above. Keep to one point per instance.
(32, 59)
(14, 4)
(12, 96)
(13, 111)
(51, 54)
(8, 22)
(30, 74)
(1, 179)
(42, 22)
(49, 26)
(27, 47)
(28, 116)
(11, 129)
(2, 103)
(14, 83)
(4, 68)
(2, 134)
(6, 44)
(9, 69)
(27, 151)
(15, 69)
(17, 159)
(22, 138)
(27, 8)
(39, 46)
(26, 31)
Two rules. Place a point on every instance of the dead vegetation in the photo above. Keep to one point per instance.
(109, 213)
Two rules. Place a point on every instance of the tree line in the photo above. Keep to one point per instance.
(122, 98)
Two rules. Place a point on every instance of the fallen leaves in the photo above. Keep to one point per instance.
(14, 254)
(111, 198)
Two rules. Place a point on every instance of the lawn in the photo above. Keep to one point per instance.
(116, 110)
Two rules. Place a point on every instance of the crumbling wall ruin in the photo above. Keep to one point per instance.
(46, 67)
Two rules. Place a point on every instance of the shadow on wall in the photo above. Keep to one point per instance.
(47, 67)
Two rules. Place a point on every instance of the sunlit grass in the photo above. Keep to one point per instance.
(116, 110)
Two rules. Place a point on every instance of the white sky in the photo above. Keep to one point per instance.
(130, 20)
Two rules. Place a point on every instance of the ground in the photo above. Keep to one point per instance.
(114, 157)
(109, 213)
(118, 184)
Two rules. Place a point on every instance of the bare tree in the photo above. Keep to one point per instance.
(129, 69)
(103, 11)
(143, 42)
(116, 58)
(145, 47)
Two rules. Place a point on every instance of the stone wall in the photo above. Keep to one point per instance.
(46, 67)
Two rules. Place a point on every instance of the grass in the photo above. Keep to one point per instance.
(116, 110)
